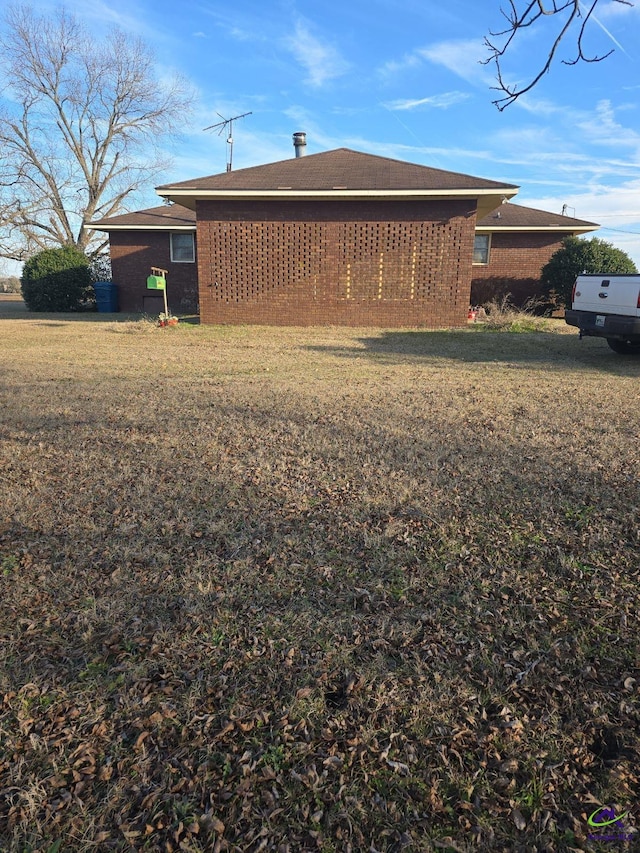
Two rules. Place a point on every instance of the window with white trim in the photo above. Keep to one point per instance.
(481, 244)
(183, 250)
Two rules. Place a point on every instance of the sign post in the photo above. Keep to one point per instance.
(157, 281)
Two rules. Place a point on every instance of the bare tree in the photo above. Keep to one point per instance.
(572, 17)
(81, 124)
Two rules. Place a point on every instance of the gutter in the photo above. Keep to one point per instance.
(168, 227)
(337, 192)
(497, 229)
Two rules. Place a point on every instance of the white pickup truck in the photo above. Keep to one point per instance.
(607, 306)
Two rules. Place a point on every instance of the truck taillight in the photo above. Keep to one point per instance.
(638, 303)
(573, 292)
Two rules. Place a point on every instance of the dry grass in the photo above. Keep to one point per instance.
(315, 589)
(503, 316)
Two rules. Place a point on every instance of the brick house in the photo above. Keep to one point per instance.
(340, 238)
(160, 237)
(512, 244)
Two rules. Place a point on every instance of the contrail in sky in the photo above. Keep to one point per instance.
(605, 30)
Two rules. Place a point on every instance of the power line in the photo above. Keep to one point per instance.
(619, 230)
(617, 215)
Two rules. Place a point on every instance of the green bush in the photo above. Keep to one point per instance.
(57, 280)
(576, 256)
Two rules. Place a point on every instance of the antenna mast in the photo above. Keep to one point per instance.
(221, 126)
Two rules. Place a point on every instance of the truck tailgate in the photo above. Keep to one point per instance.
(606, 295)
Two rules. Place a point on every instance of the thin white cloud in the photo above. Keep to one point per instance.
(98, 14)
(441, 101)
(398, 66)
(602, 128)
(587, 145)
(240, 34)
(529, 102)
(462, 57)
(613, 9)
(235, 26)
(321, 60)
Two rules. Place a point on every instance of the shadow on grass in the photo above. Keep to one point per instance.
(15, 309)
(267, 587)
(477, 346)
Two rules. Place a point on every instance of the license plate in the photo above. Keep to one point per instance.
(600, 320)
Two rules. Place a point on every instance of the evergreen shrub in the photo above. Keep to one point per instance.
(57, 280)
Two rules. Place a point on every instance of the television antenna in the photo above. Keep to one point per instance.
(221, 126)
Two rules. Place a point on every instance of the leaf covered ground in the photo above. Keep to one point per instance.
(316, 589)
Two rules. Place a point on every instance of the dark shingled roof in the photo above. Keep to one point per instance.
(165, 216)
(517, 216)
(511, 216)
(339, 169)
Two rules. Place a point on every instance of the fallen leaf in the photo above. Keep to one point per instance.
(398, 767)
(518, 818)
(216, 825)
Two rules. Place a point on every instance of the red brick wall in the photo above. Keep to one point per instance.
(515, 261)
(133, 253)
(335, 262)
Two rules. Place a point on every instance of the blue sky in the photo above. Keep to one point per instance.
(402, 78)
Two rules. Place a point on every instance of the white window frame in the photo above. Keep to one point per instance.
(182, 260)
(487, 250)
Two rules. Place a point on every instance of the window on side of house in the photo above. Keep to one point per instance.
(481, 244)
(183, 248)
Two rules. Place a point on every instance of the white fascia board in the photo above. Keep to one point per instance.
(142, 227)
(204, 195)
(569, 229)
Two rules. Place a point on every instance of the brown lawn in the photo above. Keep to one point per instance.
(316, 589)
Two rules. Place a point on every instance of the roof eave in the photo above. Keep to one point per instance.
(97, 226)
(187, 197)
(562, 229)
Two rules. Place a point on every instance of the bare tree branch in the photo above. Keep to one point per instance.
(571, 15)
(80, 129)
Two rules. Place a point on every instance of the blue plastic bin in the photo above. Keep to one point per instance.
(106, 296)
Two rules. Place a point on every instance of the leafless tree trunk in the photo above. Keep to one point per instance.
(80, 129)
(573, 17)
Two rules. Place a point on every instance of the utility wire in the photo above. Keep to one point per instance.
(618, 230)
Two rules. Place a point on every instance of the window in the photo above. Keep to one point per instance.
(183, 248)
(481, 248)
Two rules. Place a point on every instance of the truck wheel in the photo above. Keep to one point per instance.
(623, 347)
